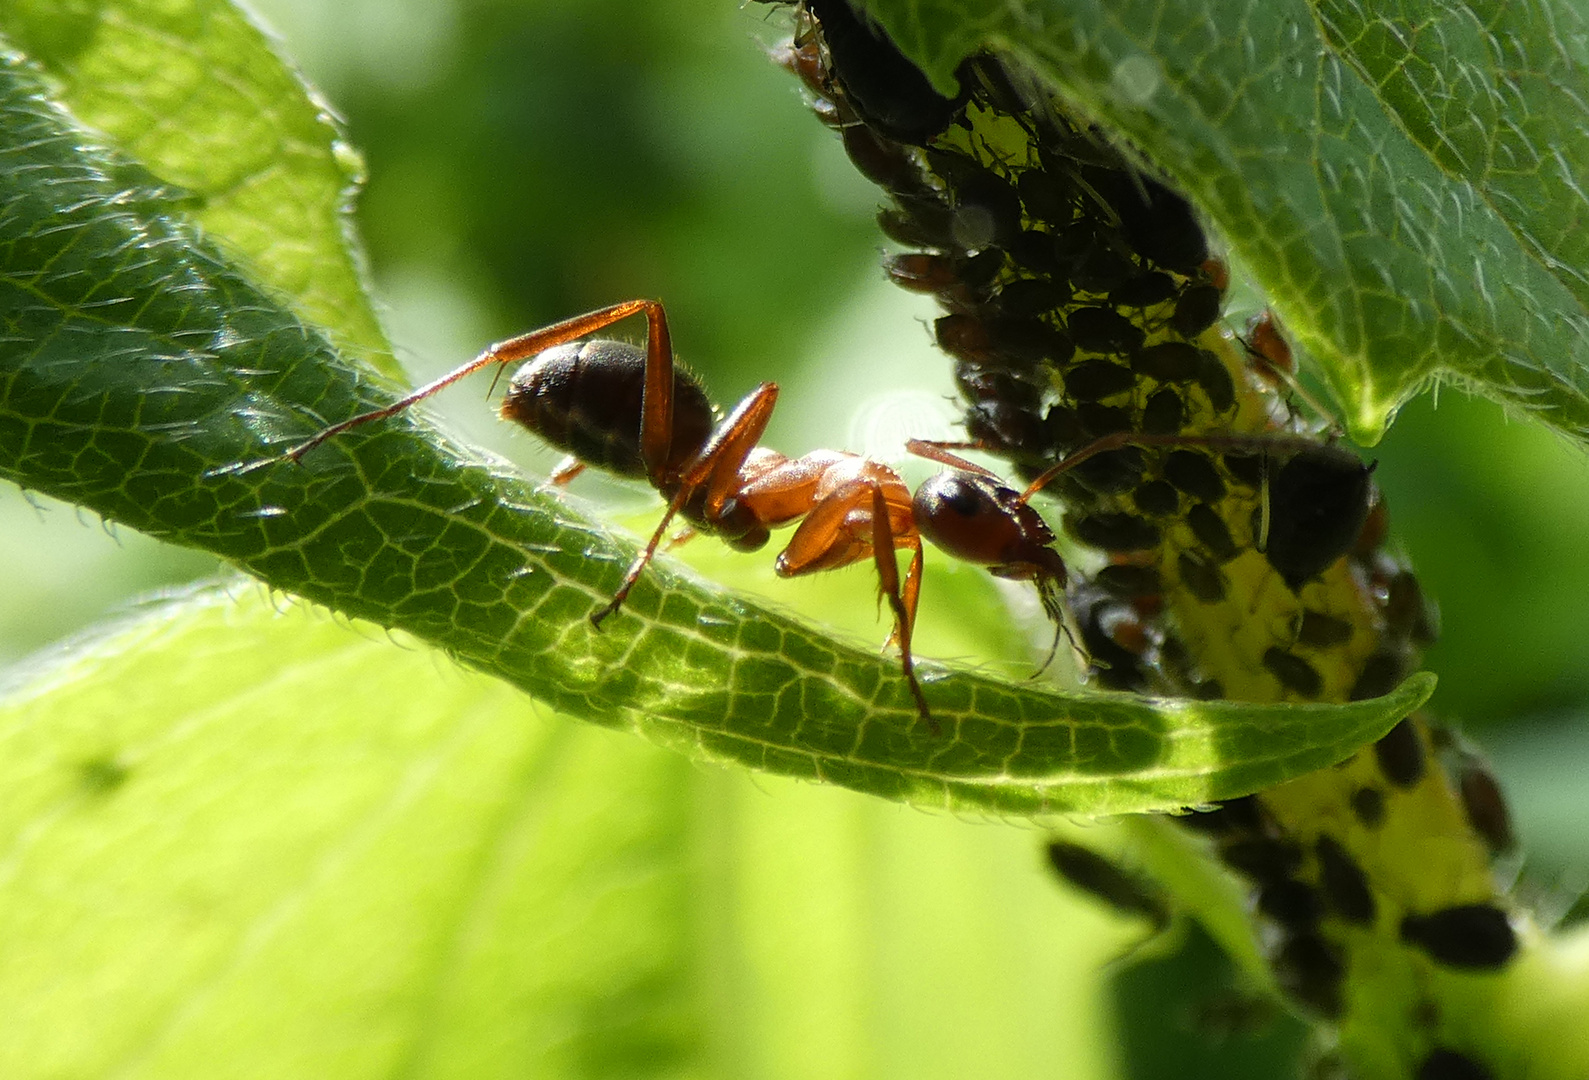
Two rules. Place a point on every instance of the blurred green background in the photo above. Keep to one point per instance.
(529, 159)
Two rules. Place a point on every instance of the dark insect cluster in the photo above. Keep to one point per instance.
(1080, 296)
(1239, 553)
(1293, 895)
(1108, 882)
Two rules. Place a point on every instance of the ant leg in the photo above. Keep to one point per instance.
(656, 401)
(720, 461)
(888, 583)
(637, 567)
(566, 470)
(1099, 446)
(912, 589)
(829, 538)
(717, 466)
(506, 352)
(825, 540)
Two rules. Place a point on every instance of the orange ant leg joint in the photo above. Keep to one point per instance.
(715, 468)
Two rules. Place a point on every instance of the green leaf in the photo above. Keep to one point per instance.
(214, 852)
(196, 94)
(147, 379)
(1406, 182)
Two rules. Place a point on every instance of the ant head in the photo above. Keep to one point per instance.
(979, 520)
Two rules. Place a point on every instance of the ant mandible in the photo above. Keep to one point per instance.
(637, 414)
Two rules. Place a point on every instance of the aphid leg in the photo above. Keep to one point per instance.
(716, 466)
(1260, 542)
(517, 348)
(888, 583)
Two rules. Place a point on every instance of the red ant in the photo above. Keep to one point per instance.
(637, 414)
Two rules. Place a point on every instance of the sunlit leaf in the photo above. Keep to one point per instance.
(1406, 181)
(259, 837)
(196, 93)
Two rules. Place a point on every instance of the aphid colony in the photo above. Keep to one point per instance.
(1241, 554)
(638, 414)
(1081, 304)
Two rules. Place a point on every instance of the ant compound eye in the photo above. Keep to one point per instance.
(962, 497)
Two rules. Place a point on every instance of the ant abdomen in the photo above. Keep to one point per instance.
(587, 398)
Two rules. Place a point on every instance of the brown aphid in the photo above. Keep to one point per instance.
(1485, 805)
(922, 272)
(1108, 882)
(1376, 527)
(1217, 272)
(1268, 349)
